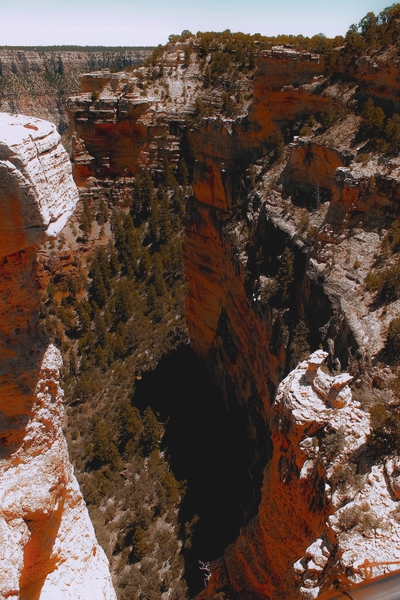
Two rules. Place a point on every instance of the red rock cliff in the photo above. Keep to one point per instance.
(47, 545)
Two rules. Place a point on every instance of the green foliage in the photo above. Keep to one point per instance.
(286, 273)
(276, 142)
(299, 347)
(359, 517)
(393, 236)
(86, 219)
(139, 546)
(392, 133)
(385, 283)
(117, 319)
(103, 448)
(393, 339)
(383, 131)
(373, 32)
(385, 424)
(102, 215)
(372, 119)
(199, 107)
(227, 104)
(330, 115)
(152, 431)
(334, 442)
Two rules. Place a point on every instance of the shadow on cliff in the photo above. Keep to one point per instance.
(204, 449)
(22, 345)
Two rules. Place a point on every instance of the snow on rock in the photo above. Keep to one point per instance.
(48, 549)
(37, 192)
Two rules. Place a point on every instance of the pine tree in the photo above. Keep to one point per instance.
(165, 219)
(299, 347)
(102, 215)
(392, 132)
(139, 546)
(103, 447)
(151, 435)
(286, 273)
(86, 219)
(183, 172)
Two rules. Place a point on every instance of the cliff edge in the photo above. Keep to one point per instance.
(47, 544)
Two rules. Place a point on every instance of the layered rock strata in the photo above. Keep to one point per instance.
(39, 82)
(47, 544)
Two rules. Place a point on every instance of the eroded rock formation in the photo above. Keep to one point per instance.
(47, 544)
(329, 213)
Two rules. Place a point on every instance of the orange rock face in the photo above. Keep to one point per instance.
(47, 544)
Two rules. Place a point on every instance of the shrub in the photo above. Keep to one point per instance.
(86, 219)
(152, 431)
(393, 338)
(393, 236)
(103, 448)
(359, 517)
(345, 476)
(305, 130)
(386, 283)
(385, 429)
(334, 442)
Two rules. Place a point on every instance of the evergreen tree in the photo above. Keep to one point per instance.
(103, 448)
(86, 219)
(139, 546)
(152, 432)
(392, 132)
(299, 346)
(286, 273)
(165, 219)
(102, 215)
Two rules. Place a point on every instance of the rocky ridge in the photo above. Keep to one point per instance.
(48, 546)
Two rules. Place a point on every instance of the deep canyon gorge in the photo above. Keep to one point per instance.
(225, 299)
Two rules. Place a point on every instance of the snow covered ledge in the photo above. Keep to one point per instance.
(48, 549)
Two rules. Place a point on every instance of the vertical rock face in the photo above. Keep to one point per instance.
(47, 544)
(297, 543)
(310, 527)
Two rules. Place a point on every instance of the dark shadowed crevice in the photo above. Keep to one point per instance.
(205, 449)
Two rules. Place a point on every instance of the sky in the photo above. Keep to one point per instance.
(149, 23)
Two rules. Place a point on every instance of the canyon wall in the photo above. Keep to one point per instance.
(254, 204)
(329, 216)
(47, 544)
(39, 81)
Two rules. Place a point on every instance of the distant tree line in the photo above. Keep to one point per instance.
(77, 48)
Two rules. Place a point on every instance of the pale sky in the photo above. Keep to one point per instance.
(148, 23)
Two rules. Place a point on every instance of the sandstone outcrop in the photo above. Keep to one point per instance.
(48, 547)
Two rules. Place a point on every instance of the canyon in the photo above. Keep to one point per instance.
(290, 212)
(45, 528)
(38, 81)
